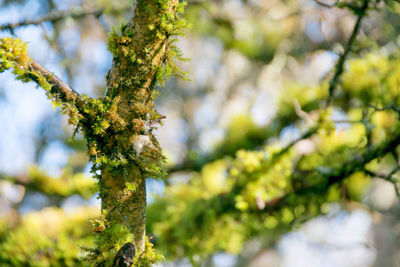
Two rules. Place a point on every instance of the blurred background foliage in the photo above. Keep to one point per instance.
(263, 169)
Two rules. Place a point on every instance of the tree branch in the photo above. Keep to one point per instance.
(59, 88)
(336, 176)
(58, 188)
(14, 55)
(258, 138)
(340, 64)
(328, 178)
(75, 12)
(131, 152)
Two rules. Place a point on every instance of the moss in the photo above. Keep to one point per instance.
(14, 55)
(109, 240)
(66, 185)
(119, 131)
(47, 238)
(135, 59)
(148, 257)
(118, 127)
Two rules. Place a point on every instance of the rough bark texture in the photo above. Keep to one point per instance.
(124, 206)
(139, 52)
(117, 128)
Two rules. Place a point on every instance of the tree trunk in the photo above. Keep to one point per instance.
(123, 206)
(117, 128)
(139, 53)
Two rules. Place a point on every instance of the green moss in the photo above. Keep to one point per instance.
(14, 55)
(118, 128)
(66, 185)
(110, 239)
(49, 237)
(148, 257)
(135, 61)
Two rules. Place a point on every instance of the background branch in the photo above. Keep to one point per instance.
(340, 64)
(75, 12)
(336, 176)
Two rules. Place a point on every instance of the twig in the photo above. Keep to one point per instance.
(306, 135)
(302, 114)
(76, 12)
(59, 88)
(325, 4)
(390, 107)
(336, 176)
(357, 164)
(348, 121)
(329, 178)
(340, 64)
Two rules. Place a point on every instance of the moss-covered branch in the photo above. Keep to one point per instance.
(61, 187)
(118, 128)
(14, 55)
(119, 134)
(268, 197)
(49, 237)
(59, 89)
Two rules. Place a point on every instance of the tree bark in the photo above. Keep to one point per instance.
(124, 206)
(117, 128)
(139, 52)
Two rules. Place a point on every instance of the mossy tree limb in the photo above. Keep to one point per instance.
(118, 128)
(14, 55)
(59, 88)
(139, 53)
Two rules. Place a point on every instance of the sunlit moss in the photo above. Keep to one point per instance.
(261, 179)
(357, 186)
(64, 186)
(373, 78)
(270, 222)
(214, 177)
(49, 237)
(14, 54)
(384, 119)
